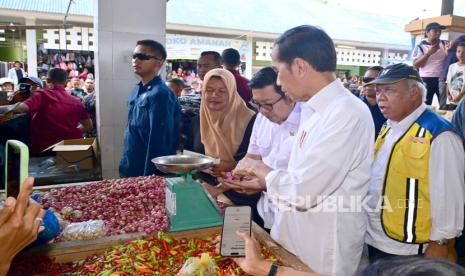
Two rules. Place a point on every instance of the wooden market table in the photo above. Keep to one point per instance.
(69, 251)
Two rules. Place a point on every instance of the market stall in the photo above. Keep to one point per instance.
(128, 226)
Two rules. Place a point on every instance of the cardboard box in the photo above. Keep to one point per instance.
(81, 152)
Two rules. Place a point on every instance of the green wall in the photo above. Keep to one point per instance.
(10, 54)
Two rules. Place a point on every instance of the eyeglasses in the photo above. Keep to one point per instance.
(267, 107)
(385, 90)
(142, 56)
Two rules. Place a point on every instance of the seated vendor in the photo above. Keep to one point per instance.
(223, 131)
(56, 115)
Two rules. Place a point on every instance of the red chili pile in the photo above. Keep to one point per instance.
(159, 255)
(126, 205)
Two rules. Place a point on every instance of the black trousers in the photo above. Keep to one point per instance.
(432, 86)
(375, 254)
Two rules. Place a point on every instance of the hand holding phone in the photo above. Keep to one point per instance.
(236, 218)
(16, 166)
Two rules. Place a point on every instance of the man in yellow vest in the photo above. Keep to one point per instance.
(416, 192)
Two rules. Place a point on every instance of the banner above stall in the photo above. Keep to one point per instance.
(190, 47)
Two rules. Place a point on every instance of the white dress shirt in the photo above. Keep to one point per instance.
(446, 187)
(331, 156)
(273, 142)
(12, 75)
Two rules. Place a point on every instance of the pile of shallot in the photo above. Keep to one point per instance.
(125, 205)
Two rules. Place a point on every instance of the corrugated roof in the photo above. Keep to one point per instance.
(79, 7)
(277, 16)
(273, 16)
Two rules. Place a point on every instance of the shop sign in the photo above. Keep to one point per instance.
(190, 47)
(76, 38)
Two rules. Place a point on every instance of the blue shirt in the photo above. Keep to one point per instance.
(376, 114)
(153, 127)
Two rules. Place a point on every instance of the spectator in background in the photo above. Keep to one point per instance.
(368, 96)
(451, 58)
(231, 61)
(89, 86)
(77, 90)
(173, 75)
(191, 78)
(176, 85)
(429, 57)
(69, 86)
(196, 86)
(455, 79)
(208, 60)
(89, 104)
(16, 73)
(180, 73)
(55, 114)
(353, 80)
(7, 84)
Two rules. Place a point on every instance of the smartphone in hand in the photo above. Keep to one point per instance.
(236, 218)
(16, 166)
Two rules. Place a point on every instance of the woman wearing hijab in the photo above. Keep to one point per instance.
(223, 132)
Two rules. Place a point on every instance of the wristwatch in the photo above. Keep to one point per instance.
(273, 269)
(441, 242)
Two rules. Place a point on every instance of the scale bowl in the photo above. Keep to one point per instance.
(182, 164)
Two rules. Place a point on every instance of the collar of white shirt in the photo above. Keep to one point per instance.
(405, 124)
(292, 121)
(323, 98)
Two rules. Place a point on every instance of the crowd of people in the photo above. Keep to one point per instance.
(59, 108)
(330, 175)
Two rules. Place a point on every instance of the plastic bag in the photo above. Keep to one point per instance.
(205, 265)
(86, 230)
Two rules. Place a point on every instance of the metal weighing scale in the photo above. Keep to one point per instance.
(188, 203)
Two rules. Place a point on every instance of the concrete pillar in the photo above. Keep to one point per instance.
(249, 57)
(384, 61)
(117, 28)
(447, 7)
(31, 48)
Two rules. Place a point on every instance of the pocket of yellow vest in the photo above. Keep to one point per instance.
(411, 159)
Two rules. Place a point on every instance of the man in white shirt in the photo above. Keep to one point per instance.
(16, 73)
(272, 136)
(329, 167)
(417, 186)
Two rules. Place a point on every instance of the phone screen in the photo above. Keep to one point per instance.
(13, 171)
(235, 218)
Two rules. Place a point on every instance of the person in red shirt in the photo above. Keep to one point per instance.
(56, 115)
(231, 61)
